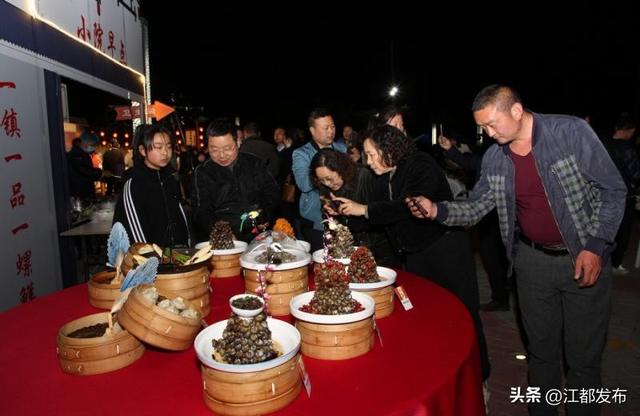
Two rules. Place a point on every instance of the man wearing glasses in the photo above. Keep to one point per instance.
(230, 185)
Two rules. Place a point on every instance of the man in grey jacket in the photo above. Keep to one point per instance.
(559, 199)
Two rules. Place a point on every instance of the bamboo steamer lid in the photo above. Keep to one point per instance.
(156, 326)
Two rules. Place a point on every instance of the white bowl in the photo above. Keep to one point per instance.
(387, 278)
(240, 247)
(248, 260)
(366, 301)
(318, 257)
(282, 333)
(245, 313)
(304, 245)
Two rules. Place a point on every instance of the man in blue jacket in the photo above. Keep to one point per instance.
(559, 199)
(323, 131)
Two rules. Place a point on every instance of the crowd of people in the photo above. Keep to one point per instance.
(545, 204)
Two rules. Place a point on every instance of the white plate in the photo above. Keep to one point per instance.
(387, 277)
(240, 247)
(248, 260)
(286, 335)
(318, 257)
(303, 299)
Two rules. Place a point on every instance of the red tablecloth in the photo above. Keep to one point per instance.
(428, 365)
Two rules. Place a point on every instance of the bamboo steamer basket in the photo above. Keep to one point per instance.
(278, 305)
(251, 285)
(335, 337)
(203, 303)
(280, 294)
(156, 326)
(253, 393)
(381, 292)
(279, 276)
(336, 341)
(257, 408)
(384, 299)
(88, 356)
(225, 263)
(192, 286)
(283, 282)
(226, 266)
(175, 282)
(102, 293)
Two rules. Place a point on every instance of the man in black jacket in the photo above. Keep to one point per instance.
(231, 184)
(255, 145)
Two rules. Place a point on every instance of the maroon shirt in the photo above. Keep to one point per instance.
(533, 211)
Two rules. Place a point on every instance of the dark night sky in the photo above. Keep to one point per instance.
(274, 61)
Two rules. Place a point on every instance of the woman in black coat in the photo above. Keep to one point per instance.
(431, 250)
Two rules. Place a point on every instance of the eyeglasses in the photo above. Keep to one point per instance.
(223, 150)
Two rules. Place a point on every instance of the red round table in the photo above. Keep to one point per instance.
(428, 364)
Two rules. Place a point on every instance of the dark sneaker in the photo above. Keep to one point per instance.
(495, 306)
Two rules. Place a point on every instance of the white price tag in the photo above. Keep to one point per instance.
(404, 298)
(305, 376)
(378, 331)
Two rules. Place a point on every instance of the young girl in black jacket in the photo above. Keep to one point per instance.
(149, 206)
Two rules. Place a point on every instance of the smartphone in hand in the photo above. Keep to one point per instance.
(415, 203)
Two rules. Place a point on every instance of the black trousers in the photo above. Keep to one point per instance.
(493, 256)
(624, 233)
(449, 263)
(558, 315)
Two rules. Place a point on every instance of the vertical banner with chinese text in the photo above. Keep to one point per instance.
(29, 240)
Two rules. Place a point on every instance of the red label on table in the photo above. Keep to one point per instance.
(404, 298)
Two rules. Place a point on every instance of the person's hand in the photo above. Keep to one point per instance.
(349, 207)
(444, 142)
(326, 206)
(588, 268)
(421, 207)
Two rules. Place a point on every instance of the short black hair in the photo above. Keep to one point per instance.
(222, 127)
(251, 129)
(143, 136)
(149, 133)
(317, 113)
(625, 121)
(502, 96)
(388, 113)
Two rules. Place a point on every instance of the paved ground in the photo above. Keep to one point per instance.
(621, 366)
